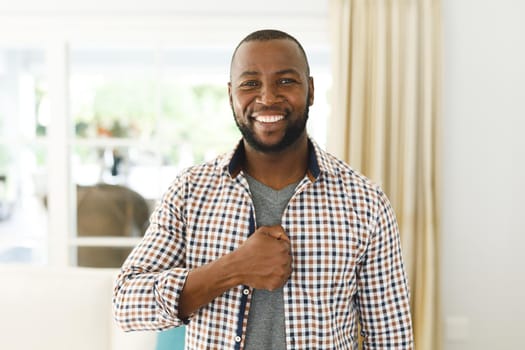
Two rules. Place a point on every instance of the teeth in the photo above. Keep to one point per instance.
(269, 118)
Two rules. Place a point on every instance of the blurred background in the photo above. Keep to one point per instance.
(103, 103)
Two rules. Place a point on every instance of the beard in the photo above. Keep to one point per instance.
(292, 133)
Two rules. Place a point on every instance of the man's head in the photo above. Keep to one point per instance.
(271, 34)
(270, 90)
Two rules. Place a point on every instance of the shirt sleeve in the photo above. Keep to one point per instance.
(383, 295)
(148, 287)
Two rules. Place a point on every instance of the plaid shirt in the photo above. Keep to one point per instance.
(347, 262)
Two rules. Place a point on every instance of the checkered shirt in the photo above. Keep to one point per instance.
(347, 262)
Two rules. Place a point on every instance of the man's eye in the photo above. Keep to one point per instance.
(249, 83)
(285, 81)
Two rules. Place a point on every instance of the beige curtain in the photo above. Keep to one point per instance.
(385, 124)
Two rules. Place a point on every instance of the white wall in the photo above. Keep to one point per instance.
(268, 7)
(484, 174)
(222, 22)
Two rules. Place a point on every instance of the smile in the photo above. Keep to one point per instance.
(269, 118)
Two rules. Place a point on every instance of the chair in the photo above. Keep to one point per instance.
(171, 339)
(108, 210)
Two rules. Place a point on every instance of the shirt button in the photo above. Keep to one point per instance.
(246, 291)
(238, 339)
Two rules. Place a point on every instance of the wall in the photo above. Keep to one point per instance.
(221, 22)
(483, 174)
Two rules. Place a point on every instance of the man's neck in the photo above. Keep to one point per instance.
(278, 170)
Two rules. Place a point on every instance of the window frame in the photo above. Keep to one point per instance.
(48, 31)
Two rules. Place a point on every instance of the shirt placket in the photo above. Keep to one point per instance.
(242, 317)
(247, 291)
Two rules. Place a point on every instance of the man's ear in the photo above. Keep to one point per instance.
(310, 91)
(230, 93)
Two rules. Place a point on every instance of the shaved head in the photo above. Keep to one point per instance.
(271, 34)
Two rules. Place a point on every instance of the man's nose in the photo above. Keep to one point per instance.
(268, 95)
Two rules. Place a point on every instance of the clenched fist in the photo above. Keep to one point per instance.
(266, 259)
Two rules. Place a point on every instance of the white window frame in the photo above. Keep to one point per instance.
(56, 31)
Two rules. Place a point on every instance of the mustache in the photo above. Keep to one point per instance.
(271, 109)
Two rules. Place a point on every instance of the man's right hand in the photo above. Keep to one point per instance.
(265, 261)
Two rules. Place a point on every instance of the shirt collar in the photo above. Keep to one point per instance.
(318, 161)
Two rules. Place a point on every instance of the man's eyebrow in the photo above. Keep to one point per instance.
(252, 73)
(287, 71)
(248, 73)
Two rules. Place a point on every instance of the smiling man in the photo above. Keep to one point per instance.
(277, 245)
(270, 92)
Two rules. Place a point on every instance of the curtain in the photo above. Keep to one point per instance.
(385, 124)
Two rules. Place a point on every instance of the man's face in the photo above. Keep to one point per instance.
(270, 93)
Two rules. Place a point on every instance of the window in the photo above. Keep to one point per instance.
(24, 114)
(92, 133)
(140, 115)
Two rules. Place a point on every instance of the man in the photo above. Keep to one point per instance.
(277, 245)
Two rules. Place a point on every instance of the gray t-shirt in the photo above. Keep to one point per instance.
(265, 328)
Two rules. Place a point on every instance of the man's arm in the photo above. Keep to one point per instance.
(155, 289)
(383, 296)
